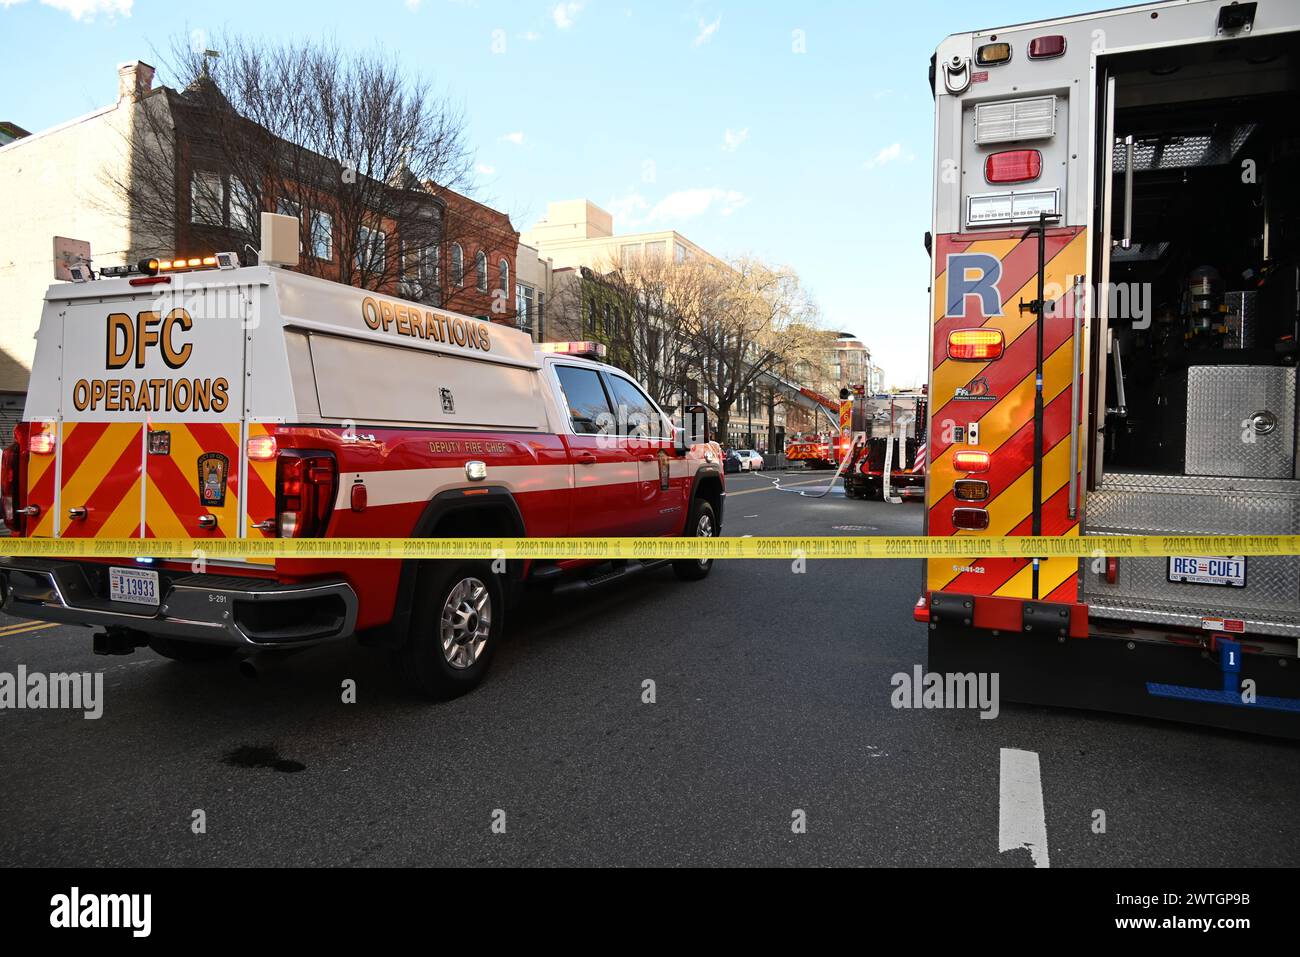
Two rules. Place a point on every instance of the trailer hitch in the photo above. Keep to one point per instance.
(1231, 693)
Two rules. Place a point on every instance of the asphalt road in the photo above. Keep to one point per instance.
(772, 697)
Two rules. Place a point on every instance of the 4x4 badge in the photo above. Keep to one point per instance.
(213, 469)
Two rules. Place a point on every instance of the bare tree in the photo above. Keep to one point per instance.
(751, 317)
(345, 142)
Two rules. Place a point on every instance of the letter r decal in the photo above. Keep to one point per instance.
(973, 274)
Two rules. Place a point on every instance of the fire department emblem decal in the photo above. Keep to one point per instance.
(977, 388)
(213, 469)
(448, 400)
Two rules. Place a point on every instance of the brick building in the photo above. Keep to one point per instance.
(84, 180)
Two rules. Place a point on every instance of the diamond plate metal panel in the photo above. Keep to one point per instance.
(1195, 505)
(1240, 421)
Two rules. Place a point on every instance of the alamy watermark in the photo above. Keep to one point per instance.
(35, 690)
(932, 690)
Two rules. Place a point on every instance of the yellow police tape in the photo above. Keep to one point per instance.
(883, 546)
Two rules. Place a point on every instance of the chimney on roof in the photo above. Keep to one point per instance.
(134, 80)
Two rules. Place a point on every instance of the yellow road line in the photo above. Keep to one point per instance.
(26, 627)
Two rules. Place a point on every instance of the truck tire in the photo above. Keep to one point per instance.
(703, 523)
(188, 650)
(456, 625)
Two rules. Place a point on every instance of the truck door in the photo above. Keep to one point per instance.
(151, 407)
(642, 426)
(605, 475)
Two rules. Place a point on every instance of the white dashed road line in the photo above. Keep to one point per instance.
(1021, 822)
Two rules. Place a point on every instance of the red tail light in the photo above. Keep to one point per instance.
(305, 483)
(1044, 48)
(41, 438)
(965, 461)
(970, 519)
(975, 344)
(1013, 166)
(11, 487)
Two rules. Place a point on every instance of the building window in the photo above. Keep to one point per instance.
(322, 235)
(679, 252)
(243, 207)
(207, 198)
(629, 253)
(480, 271)
(503, 268)
(370, 250)
(524, 305)
(427, 268)
(457, 265)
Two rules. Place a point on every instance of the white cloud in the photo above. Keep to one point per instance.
(413, 5)
(627, 210)
(733, 139)
(634, 211)
(84, 9)
(707, 30)
(892, 153)
(517, 138)
(484, 169)
(689, 203)
(565, 13)
(531, 36)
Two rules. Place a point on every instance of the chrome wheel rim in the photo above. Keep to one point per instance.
(466, 622)
(704, 529)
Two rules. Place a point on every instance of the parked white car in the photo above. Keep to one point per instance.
(750, 461)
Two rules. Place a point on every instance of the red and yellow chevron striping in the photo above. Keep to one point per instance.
(998, 396)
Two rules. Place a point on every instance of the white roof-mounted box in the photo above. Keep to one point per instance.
(1006, 120)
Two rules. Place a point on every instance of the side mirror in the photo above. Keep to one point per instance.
(694, 430)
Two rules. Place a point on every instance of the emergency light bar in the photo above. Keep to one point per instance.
(153, 266)
(1026, 119)
(583, 350)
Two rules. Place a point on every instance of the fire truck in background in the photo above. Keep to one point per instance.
(817, 450)
(888, 443)
(195, 398)
(1115, 309)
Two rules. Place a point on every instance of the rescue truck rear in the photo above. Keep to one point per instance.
(1115, 308)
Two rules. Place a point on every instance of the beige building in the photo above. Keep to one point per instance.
(534, 290)
(577, 233)
(58, 184)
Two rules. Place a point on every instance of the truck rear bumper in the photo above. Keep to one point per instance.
(239, 612)
(1152, 679)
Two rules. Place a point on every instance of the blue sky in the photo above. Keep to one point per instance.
(711, 118)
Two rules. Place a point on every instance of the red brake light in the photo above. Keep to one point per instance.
(970, 519)
(305, 483)
(969, 461)
(10, 486)
(262, 448)
(975, 344)
(1013, 166)
(42, 438)
(1044, 48)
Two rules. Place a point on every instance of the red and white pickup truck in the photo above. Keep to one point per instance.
(255, 402)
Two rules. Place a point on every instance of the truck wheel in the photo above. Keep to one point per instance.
(703, 523)
(456, 626)
(188, 650)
